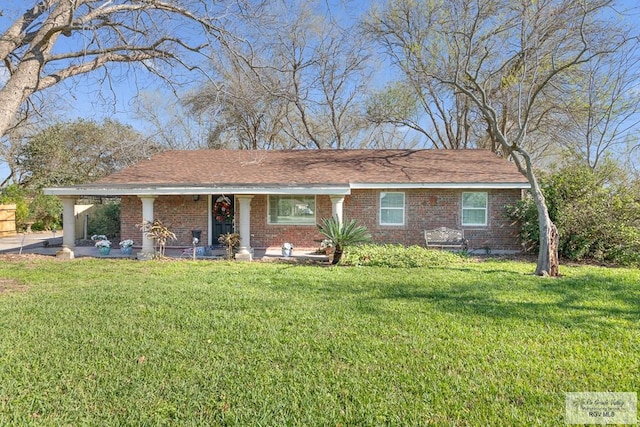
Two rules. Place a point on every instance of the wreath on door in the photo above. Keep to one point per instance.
(222, 209)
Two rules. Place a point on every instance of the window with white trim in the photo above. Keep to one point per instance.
(391, 208)
(474, 208)
(292, 210)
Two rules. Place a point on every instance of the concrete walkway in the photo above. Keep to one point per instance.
(48, 243)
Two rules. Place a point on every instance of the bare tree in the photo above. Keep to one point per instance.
(97, 33)
(324, 73)
(238, 109)
(506, 58)
(343, 78)
(435, 110)
(39, 112)
(603, 107)
(445, 119)
(170, 123)
(300, 87)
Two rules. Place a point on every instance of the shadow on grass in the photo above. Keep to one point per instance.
(583, 298)
(586, 301)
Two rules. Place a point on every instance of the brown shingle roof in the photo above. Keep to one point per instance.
(317, 167)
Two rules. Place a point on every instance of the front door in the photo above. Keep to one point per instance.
(222, 215)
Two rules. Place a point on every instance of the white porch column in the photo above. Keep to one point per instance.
(68, 228)
(147, 251)
(244, 252)
(337, 203)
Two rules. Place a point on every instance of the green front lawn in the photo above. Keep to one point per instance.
(118, 342)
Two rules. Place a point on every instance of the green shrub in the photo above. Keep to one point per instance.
(45, 212)
(597, 213)
(526, 215)
(398, 256)
(105, 220)
(628, 252)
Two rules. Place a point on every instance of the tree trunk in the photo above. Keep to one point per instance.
(548, 252)
(13, 96)
(548, 249)
(25, 80)
(337, 255)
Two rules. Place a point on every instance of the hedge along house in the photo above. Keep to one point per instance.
(273, 197)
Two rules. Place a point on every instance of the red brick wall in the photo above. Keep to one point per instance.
(180, 213)
(264, 235)
(130, 215)
(424, 209)
(429, 209)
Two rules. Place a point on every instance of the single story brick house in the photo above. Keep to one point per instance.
(272, 197)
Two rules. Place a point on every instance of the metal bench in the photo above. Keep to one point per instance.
(445, 238)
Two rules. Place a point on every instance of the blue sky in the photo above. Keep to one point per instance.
(92, 96)
(86, 97)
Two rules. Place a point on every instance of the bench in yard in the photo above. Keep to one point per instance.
(445, 238)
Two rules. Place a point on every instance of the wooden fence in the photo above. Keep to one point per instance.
(7, 220)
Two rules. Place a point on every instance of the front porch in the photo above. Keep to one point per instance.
(48, 244)
(183, 214)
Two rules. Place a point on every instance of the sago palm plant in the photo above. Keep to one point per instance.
(343, 234)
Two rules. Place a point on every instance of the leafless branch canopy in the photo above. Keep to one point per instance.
(301, 87)
(58, 39)
(511, 61)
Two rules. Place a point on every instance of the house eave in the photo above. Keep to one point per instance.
(442, 185)
(187, 190)
(191, 190)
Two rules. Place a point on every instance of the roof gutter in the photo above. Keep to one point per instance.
(190, 190)
(443, 185)
(186, 190)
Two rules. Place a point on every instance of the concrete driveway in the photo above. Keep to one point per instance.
(44, 243)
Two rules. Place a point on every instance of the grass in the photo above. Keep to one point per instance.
(116, 342)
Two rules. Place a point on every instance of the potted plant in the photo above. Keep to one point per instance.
(287, 249)
(341, 235)
(326, 247)
(102, 243)
(126, 247)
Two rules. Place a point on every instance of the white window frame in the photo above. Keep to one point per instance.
(485, 209)
(404, 202)
(297, 196)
